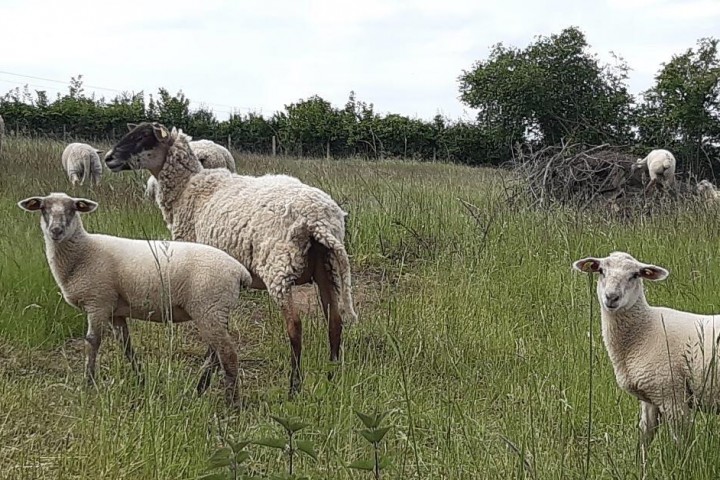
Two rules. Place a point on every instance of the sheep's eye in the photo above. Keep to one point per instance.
(635, 275)
(600, 271)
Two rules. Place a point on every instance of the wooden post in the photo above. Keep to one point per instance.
(229, 141)
(327, 150)
(274, 146)
(64, 133)
(434, 155)
(405, 154)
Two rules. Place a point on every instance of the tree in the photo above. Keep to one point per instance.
(549, 92)
(682, 110)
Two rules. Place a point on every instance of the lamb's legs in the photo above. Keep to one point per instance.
(213, 330)
(212, 362)
(329, 301)
(294, 332)
(93, 338)
(123, 335)
(649, 421)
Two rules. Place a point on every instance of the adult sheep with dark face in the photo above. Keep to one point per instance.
(285, 232)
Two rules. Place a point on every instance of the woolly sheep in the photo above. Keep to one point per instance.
(660, 165)
(708, 191)
(2, 133)
(285, 232)
(664, 357)
(113, 278)
(81, 161)
(210, 155)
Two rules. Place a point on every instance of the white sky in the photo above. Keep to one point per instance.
(403, 56)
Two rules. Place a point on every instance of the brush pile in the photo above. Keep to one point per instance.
(583, 176)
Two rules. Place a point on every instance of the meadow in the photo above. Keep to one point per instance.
(476, 337)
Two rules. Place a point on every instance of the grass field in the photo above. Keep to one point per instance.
(476, 336)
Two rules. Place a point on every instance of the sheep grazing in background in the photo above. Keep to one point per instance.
(81, 161)
(666, 358)
(660, 165)
(708, 191)
(2, 134)
(113, 278)
(285, 232)
(210, 155)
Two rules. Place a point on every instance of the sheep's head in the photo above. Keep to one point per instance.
(59, 219)
(704, 187)
(144, 146)
(620, 283)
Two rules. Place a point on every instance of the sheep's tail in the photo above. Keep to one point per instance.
(340, 265)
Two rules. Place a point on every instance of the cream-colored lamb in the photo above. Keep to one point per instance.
(113, 279)
(708, 191)
(665, 358)
(285, 232)
(660, 165)
(81, 161)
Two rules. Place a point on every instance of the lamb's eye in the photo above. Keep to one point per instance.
(600, 271)
(635, 275)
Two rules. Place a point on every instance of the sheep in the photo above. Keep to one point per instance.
(80, 161)
(285, 232)
(660, 165)
(664, 357)
(113, 279)
(2, 133)
(708, 191)
(210, 155)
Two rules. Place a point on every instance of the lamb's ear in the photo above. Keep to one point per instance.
(161, 133)
(587, 265)
(99, 152)
(83, 205)
(654, 273)
(131, 126)
(31, 204)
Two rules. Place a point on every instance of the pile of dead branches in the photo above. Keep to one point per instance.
(583, 176)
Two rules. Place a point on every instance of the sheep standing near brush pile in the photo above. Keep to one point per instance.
(210, 155)
(2, 133)
(660, 165)
(113, 278)
(708, 191)
(666, 358)
(81, 161)
(285, 232)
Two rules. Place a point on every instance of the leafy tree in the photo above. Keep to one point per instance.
(682, 111)
(549, 92)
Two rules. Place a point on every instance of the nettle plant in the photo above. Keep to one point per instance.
(374, 434)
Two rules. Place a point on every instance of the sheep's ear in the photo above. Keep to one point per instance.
(651, 272)
(161, 133)
(99, 152)
(587, 265)
(83, 205)
(131, 126)
(31, 204)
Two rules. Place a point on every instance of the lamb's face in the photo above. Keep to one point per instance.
(704, 187)
(620, 283)
(59, 219)
(143, 147)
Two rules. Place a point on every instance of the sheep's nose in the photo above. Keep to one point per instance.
(56, 231)
(611, 298)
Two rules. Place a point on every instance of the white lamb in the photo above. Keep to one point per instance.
(210, 155)
(2, 133)
(113, 278)
(708, 191)
(82, 161)
(664, 357)
(660, 165)
(285, 232)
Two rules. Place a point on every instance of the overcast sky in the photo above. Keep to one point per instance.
(402, 55)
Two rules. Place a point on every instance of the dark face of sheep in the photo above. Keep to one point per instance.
(620, 283)
(143, 147)
(59, 218)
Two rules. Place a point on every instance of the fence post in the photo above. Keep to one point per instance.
(327, 150)
(229, 143)
(274, 146)
(64, 133)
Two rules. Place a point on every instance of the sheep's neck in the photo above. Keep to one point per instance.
(64, 257)
(179, 167)
(620, 333)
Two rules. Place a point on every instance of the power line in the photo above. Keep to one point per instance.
(114, 90)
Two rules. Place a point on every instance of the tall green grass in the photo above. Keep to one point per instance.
(475, 335)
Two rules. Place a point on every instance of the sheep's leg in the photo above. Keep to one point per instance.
(93, 338)
(213, 330)
(122, 333)
(649, 421)
(329, 301)
(212, 362)
(650, 184)
(294, 332)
